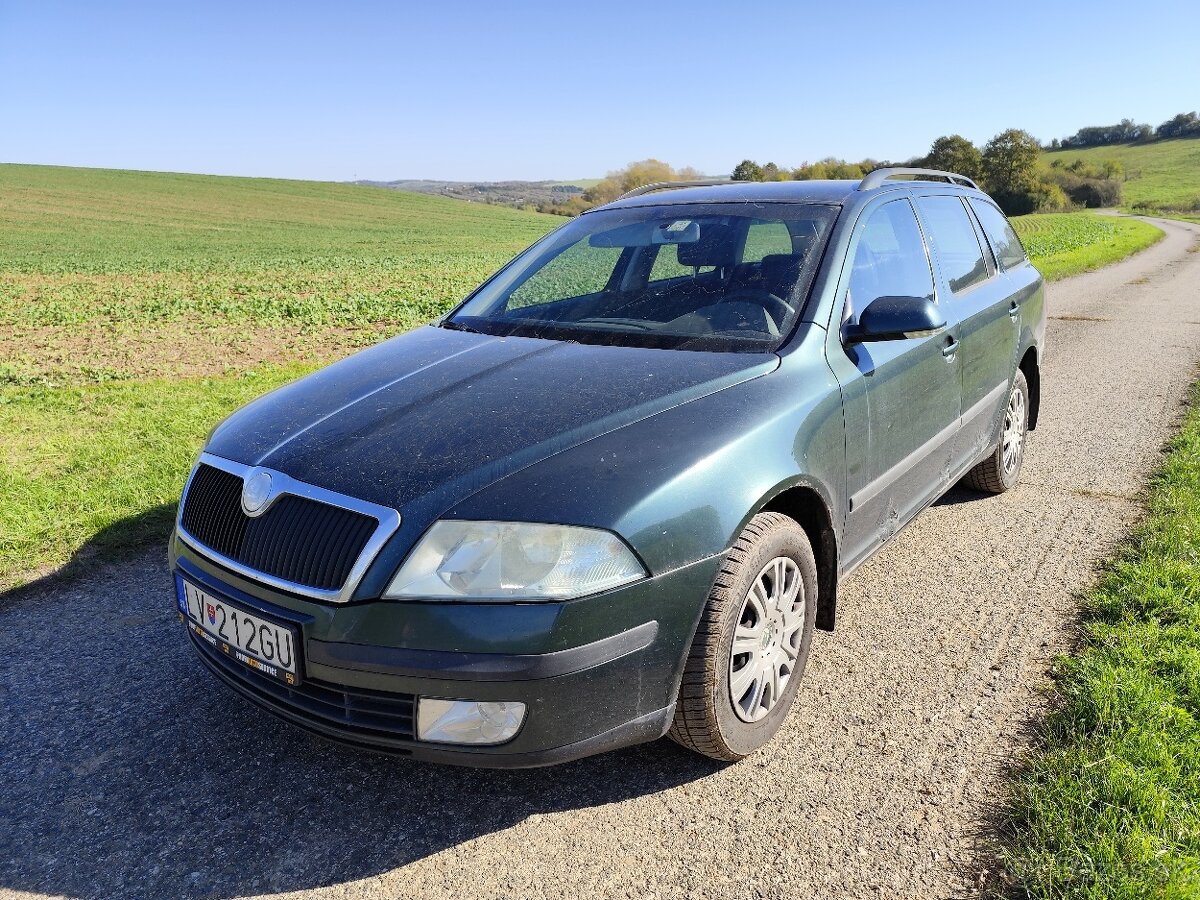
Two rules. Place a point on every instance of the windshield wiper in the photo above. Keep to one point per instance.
(459, 326)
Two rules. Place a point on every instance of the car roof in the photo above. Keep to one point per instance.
(839, 191)
(741, 191)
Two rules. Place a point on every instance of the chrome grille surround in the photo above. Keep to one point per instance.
(387, 518)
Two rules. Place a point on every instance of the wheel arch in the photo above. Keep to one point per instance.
(809, 507)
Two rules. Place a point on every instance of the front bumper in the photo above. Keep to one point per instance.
(595, 674)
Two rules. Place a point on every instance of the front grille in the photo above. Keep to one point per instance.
(365, 713)
(297, 539)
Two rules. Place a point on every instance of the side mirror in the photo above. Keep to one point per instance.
(897, 319)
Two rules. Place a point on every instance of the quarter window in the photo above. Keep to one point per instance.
(1000, 233)
(955, 241)
(890, 260)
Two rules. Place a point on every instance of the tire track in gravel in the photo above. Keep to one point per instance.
(127, 771)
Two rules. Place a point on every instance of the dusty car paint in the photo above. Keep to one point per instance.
(672, 450)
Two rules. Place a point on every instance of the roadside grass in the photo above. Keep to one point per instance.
(137, 309)
(1159, 174)
(1065, 244)
(104, 460)
(1108, 805)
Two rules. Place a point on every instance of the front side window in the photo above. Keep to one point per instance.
(890, 260)
(954, 240)
(722, 276)
(579, 271)
(1000, 233)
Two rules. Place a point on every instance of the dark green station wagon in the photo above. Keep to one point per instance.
(609, 497)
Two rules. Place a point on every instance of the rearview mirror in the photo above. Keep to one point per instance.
(648, 234)
(897, 319)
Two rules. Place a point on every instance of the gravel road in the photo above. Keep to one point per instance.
(127, 771)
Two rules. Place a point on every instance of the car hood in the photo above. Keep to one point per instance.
(440, 411)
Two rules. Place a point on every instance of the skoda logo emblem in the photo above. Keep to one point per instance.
(256, 492)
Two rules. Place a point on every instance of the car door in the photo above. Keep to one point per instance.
(987, 314)
(901, 398)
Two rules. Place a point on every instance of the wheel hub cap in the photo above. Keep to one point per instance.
(766, 642)
(1012, 441)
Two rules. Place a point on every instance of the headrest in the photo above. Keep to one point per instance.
(717, 247)
(781, 269)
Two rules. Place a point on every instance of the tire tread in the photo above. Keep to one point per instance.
(987, 476)
(694, 725)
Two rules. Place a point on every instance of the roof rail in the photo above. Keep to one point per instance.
(671, 185)
(879, 176)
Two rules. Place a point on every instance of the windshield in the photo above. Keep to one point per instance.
(729, 276)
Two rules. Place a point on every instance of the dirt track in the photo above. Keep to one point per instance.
(140, 778)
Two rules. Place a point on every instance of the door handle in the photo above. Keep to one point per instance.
(951, 348)
(1014, 311)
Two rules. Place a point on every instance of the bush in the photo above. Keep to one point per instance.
(1096, 194)
(1049, 197)
(1087, 185)
(1041, 196)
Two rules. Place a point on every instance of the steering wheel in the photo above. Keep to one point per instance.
(777, 307)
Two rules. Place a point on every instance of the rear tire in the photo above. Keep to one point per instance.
(999, 472)
(732, 700)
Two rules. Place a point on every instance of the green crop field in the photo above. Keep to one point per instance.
(101, 271)
(1160, 174)
(137, 309)
(1063, 244)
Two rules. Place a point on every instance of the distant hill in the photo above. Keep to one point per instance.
(1159, 174)
(505, 193)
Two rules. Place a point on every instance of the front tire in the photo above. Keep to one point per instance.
(999, 472)
(751, 646)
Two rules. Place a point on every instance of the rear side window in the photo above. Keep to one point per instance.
(890, 260)
(766, 239)
(955, 241)
(667, 265)
(1000, 233)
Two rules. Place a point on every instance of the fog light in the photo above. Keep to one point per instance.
(468, 721)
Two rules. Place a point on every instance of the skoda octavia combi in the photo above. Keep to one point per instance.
(609, 496)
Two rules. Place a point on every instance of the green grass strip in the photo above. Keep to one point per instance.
(98, 468)
(1108, 805)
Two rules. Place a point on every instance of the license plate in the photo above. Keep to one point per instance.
(266, 646)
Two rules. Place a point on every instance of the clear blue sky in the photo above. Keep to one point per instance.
(456, 90)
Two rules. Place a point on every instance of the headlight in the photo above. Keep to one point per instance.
(513, 560)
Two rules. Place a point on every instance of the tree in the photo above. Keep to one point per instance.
(770, 172)
(635, 175)
(1010, 161)
(954, 153)
(1124, 132)
(747, 170)
(1182, 125)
